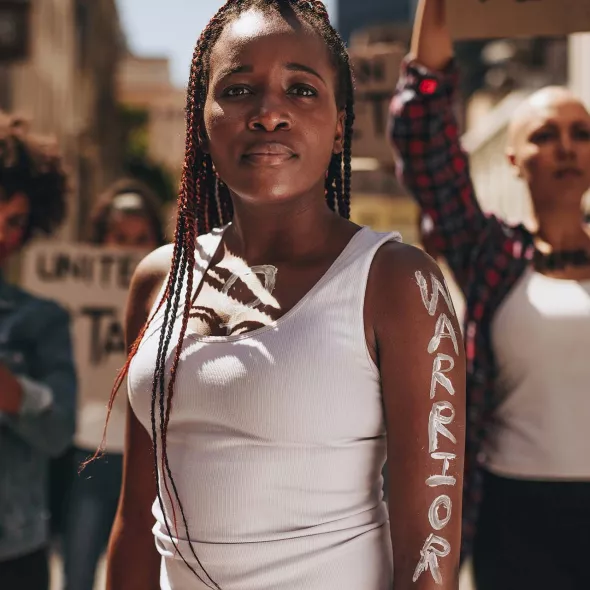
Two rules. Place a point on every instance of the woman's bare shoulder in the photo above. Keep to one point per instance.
(147, 281)
(396, 266)
(154, 267)
(394, 286)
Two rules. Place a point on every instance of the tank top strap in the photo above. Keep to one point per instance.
(205, 248)
(340, 298)
(361, 250)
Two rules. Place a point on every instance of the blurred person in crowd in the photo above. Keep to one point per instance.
(281, 351)
(527, 478)
(127, 215)
(37, 375)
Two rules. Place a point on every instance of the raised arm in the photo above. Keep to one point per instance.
(424, 132)
(133, 561)
(422, 367)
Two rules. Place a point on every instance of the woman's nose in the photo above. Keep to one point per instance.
(270, 115)
(565, 147)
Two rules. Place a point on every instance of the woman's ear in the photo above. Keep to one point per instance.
(511, 157)
(338, 146)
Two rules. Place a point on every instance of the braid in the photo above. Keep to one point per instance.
(331, 195)
(205, 204)
(347, 156)
(338, 180)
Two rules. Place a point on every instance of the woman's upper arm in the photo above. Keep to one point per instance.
(133, 561)
(138, 478)
(131, 538)
(422, 366)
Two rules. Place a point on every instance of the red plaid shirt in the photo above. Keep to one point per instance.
(486, 256)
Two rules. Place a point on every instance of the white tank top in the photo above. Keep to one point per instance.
(276, 443)
(541, 339)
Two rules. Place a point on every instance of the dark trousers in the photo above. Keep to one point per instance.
(93, 500)
(60, 483)
(30, 572)
(532, 535)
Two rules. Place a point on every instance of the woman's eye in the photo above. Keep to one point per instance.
(303, 90)
(236, 91)
(582, 134)
(17, 223)
(542, 136)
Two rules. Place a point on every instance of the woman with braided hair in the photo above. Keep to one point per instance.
(279, 352)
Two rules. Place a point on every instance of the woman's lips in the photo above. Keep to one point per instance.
(268, 154)
(568, 172)
(268, 159)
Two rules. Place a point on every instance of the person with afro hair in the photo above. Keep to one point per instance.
(37, 374)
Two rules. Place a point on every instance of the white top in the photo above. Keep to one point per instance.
(276, 443)
(541, 339)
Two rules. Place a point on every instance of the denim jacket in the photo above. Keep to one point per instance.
(35, 346)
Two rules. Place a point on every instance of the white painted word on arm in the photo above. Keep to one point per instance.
(442, 415)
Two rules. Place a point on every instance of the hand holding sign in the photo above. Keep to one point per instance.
(431, 40)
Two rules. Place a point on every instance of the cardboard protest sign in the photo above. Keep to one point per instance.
(92, 284)
(484, 19)
(376, 70)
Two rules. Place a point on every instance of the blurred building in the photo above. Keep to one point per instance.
(145, 89)
(352, 15)
(66, 86)
(579, 65)
(377, 33)
(145, 84)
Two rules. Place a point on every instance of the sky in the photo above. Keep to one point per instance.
(168, 28)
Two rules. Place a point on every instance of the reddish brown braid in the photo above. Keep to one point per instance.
(204, 204)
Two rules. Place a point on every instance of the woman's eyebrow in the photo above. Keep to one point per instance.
(248, 69)
(297, 67)
(546, 125)
(235, 70)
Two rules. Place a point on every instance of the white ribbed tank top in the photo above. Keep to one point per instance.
(541, 339)
(276, 443)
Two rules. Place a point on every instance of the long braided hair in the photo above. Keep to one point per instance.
(204, 204)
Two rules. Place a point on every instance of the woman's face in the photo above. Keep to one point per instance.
(14, 221)
(271, 118)
(551, 146)
(130, 230)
